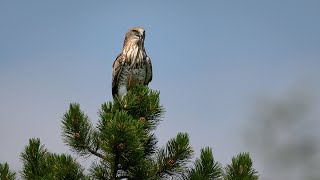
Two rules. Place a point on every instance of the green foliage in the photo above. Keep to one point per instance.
(122, 142)
(77, 130)
(125, 144)
(5, 173)
(241, 168)
(38, 163)
(123, 138)
(205, 167)
(100, 171)
(173, 158)
(34, 161)
(141, 102)
(64, 167)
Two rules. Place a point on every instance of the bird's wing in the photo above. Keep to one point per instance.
(116, 71)
(149, 71)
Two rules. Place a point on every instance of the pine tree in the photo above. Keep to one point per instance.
(6, 173)
(125, 144)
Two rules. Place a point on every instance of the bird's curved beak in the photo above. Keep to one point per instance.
(141, 38)
(142, 35)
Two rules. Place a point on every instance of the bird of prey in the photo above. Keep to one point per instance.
(132, 66)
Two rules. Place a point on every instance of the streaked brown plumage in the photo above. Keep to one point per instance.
(132, 66)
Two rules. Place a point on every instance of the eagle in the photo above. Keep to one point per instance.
(132, 66)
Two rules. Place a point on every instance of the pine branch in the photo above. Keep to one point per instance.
(205, 167)
(33, 159)
(64, 167)
(38, 163)
(95, 153)
(6, 173)
(172, 159)
(144, 104)
(123, 139)
(115, 165)
(241, 168)
(78, 132)
(100, 171)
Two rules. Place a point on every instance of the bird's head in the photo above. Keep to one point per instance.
(135, 35)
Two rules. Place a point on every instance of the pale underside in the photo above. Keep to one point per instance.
(129, 78)
(131, 68)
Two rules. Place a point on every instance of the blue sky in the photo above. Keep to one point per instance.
(210, 60)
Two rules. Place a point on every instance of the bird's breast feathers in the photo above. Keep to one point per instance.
(134, 76)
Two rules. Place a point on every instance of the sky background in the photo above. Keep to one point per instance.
(211, 60)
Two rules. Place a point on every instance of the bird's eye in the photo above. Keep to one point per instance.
(135, 32)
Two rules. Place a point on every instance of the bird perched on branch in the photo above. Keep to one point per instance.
(132, 66)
